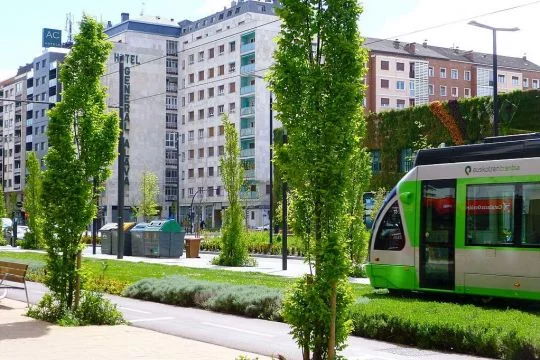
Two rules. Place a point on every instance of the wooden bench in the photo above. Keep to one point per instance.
(13, 272)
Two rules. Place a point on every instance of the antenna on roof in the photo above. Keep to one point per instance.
(69, 29)
(142, 8)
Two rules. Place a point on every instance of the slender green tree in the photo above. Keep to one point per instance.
(83, 137)
(32, 202)
(233, 250)
(149, 192)
(2, 213)
(317, 82)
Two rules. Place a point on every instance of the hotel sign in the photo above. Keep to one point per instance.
(51, 38)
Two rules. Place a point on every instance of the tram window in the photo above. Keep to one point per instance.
(490, 214)
(530, 223)
(390, 235)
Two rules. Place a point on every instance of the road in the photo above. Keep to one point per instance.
(251, 335)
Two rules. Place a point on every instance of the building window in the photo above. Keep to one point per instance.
(210, 151)
(232, 108)
(385, 102)
(400, 104)
(201, 56)
(443, 73)
(191, 97)
(211, 132)
(443, 90)
(500, 78)
(211, 53)
(221, 90)
(406, 160)
(385, 83)
(232, 46)
(467, 92)
(201, 95)
(454, 74)
(232, 87)
(211, 170)
(201, 133)
(221, 130)
(376, 161)
(211, 73)
(211, 111)
(191, 154)
(232, 67)
(535, 83)
(385, 65)
(191, 78)
(200, 172)
(191, 116)
(431, 72)
(400, 85)
(467, 75)
(454, 91)
(221, 109)
(221, 150)
(221, 49)
(400, 66)
(201, 75)
(201, 114)
(210, 92)
(191, 135)
(191, 175)
(515, 81)
(170, 139)
(191, 59)
(221, 70)
(431, 91)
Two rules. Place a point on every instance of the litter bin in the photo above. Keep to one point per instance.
(109, 238)
(159, 238)
(193, 246)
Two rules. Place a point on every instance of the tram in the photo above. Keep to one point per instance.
(465, 219)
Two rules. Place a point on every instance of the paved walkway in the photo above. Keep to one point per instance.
(22, 337)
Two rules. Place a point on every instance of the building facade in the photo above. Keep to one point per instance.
(402, 74)
(182, 78)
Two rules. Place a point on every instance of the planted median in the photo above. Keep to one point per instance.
(429, 323)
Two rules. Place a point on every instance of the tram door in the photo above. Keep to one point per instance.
(437, 224)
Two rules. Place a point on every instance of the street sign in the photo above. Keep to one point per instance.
(19, 204)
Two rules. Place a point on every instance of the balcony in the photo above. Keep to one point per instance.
(245, 48)
(247, 89)
(170, 198)
(247, 153)
(172, 88)
(247, 131)
(172, 70)
(171, 107)
(249, 195)
(171, 125)
(171, 162)
(245, 111)
(247, 69)
(249, 174)
(171, 180)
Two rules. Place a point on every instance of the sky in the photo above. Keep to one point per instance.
(21, 22)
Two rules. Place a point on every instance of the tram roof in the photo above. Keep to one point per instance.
(493, 148)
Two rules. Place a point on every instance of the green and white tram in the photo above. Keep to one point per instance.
(465, 219)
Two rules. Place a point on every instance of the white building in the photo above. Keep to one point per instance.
(183, 76)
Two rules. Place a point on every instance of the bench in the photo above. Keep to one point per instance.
(13, 272)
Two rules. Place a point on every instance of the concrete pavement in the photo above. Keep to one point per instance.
(22, 338)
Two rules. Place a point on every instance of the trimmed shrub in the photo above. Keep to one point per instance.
(250, 301)
(469, 329)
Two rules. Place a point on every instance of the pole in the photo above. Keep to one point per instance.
(94, 221)
(270, 213)
(284, 217)
(121, 157)
(495, 90)
(178, 174)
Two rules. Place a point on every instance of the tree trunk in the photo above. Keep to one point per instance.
(77, 282)
(333, 312)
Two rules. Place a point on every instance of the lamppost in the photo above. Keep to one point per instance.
(495, 76)
(191, 214)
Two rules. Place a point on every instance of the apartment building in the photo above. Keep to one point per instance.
(182, 77)
(397, 78)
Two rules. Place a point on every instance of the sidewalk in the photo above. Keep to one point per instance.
(22, 337)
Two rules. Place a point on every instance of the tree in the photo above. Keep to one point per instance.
(233, 250)
(317, 82)
(82, 146)
(32, 202)
(2, 214)
(149, 188)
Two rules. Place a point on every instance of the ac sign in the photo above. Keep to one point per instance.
(52, 38)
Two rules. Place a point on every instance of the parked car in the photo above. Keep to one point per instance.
(263, 228)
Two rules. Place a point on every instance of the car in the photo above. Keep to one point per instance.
(263, 228)
(21, 230)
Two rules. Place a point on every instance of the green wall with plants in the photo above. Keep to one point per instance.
(418, 127)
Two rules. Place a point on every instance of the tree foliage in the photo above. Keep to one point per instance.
(317, 81)
(149, 192)
(2, 214)
(234, 251)
(33, 203)
(82, 138)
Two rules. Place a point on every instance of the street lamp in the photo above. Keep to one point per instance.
(495, 79)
